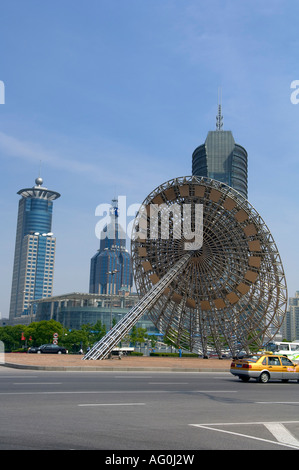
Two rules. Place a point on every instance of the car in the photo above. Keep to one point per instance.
(48, 349)
(265, 367)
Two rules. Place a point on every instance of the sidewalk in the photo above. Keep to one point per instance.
(135, 363)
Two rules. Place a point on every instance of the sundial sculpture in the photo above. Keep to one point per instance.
(206, 268)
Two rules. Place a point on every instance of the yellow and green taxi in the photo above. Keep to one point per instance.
(265, 367)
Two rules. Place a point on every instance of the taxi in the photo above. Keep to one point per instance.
(265, 367)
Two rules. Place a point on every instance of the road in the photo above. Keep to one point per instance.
(47, 410)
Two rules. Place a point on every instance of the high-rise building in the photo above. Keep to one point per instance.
(220, 158)
(110, 267)
(34, 249)
(290, 327)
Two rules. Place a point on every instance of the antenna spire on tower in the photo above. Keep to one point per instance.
(219, 117)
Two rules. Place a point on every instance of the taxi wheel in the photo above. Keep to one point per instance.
(264, 377)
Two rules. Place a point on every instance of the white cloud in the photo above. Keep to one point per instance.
(33, 152)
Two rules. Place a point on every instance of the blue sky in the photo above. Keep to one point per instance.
(113, 96)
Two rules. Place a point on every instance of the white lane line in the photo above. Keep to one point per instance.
(244, 435)
(244, 423)
(73, 392)
(168, 383)
(132, 377)
(111, 404)
(214, 391)
(60, 392)
(270, 425)
(19, 377)
(282, 434)
(37, 383)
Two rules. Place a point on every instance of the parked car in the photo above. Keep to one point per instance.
(48, 349)
(265, 367)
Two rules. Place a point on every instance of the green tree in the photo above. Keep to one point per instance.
(170, 342)
(42, 332)
(94, 332)
(75, 339)
(153, 339)
(11, 337)
(99, 330)
(133, 335)
(138, 335)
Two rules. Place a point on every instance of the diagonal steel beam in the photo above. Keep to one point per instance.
(103, 347)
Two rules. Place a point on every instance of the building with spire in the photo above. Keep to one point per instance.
(34, 256)
(220, 158)
(110, 267)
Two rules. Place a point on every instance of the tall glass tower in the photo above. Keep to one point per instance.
(110, 267)
(34, 249)
(220, 158)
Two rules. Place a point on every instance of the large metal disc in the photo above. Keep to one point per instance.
(232, 294)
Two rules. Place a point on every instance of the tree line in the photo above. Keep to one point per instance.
(21, 337)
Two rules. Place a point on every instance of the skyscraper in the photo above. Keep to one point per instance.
(220, 158)
(34, 249)
(290, 328)
(110, 267)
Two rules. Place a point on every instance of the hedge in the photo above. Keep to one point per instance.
(160, 354)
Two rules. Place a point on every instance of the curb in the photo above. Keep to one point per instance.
(109, 369)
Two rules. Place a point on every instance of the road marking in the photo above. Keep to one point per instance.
(19, 377)
(72, 392)
(37, 383)
(111, 404)
(214, 391)
(282, 434)
(168, 383)
(132, 377)
(245, 423)
(286, 438)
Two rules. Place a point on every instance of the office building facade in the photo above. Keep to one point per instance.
(34, 256)
(220, 158)
(110, 267)
(290, 327)
(76, 309)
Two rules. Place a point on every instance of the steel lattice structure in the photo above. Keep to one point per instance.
(231, 293)
(223, 289)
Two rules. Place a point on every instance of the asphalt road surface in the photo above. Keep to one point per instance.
(135, 411)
